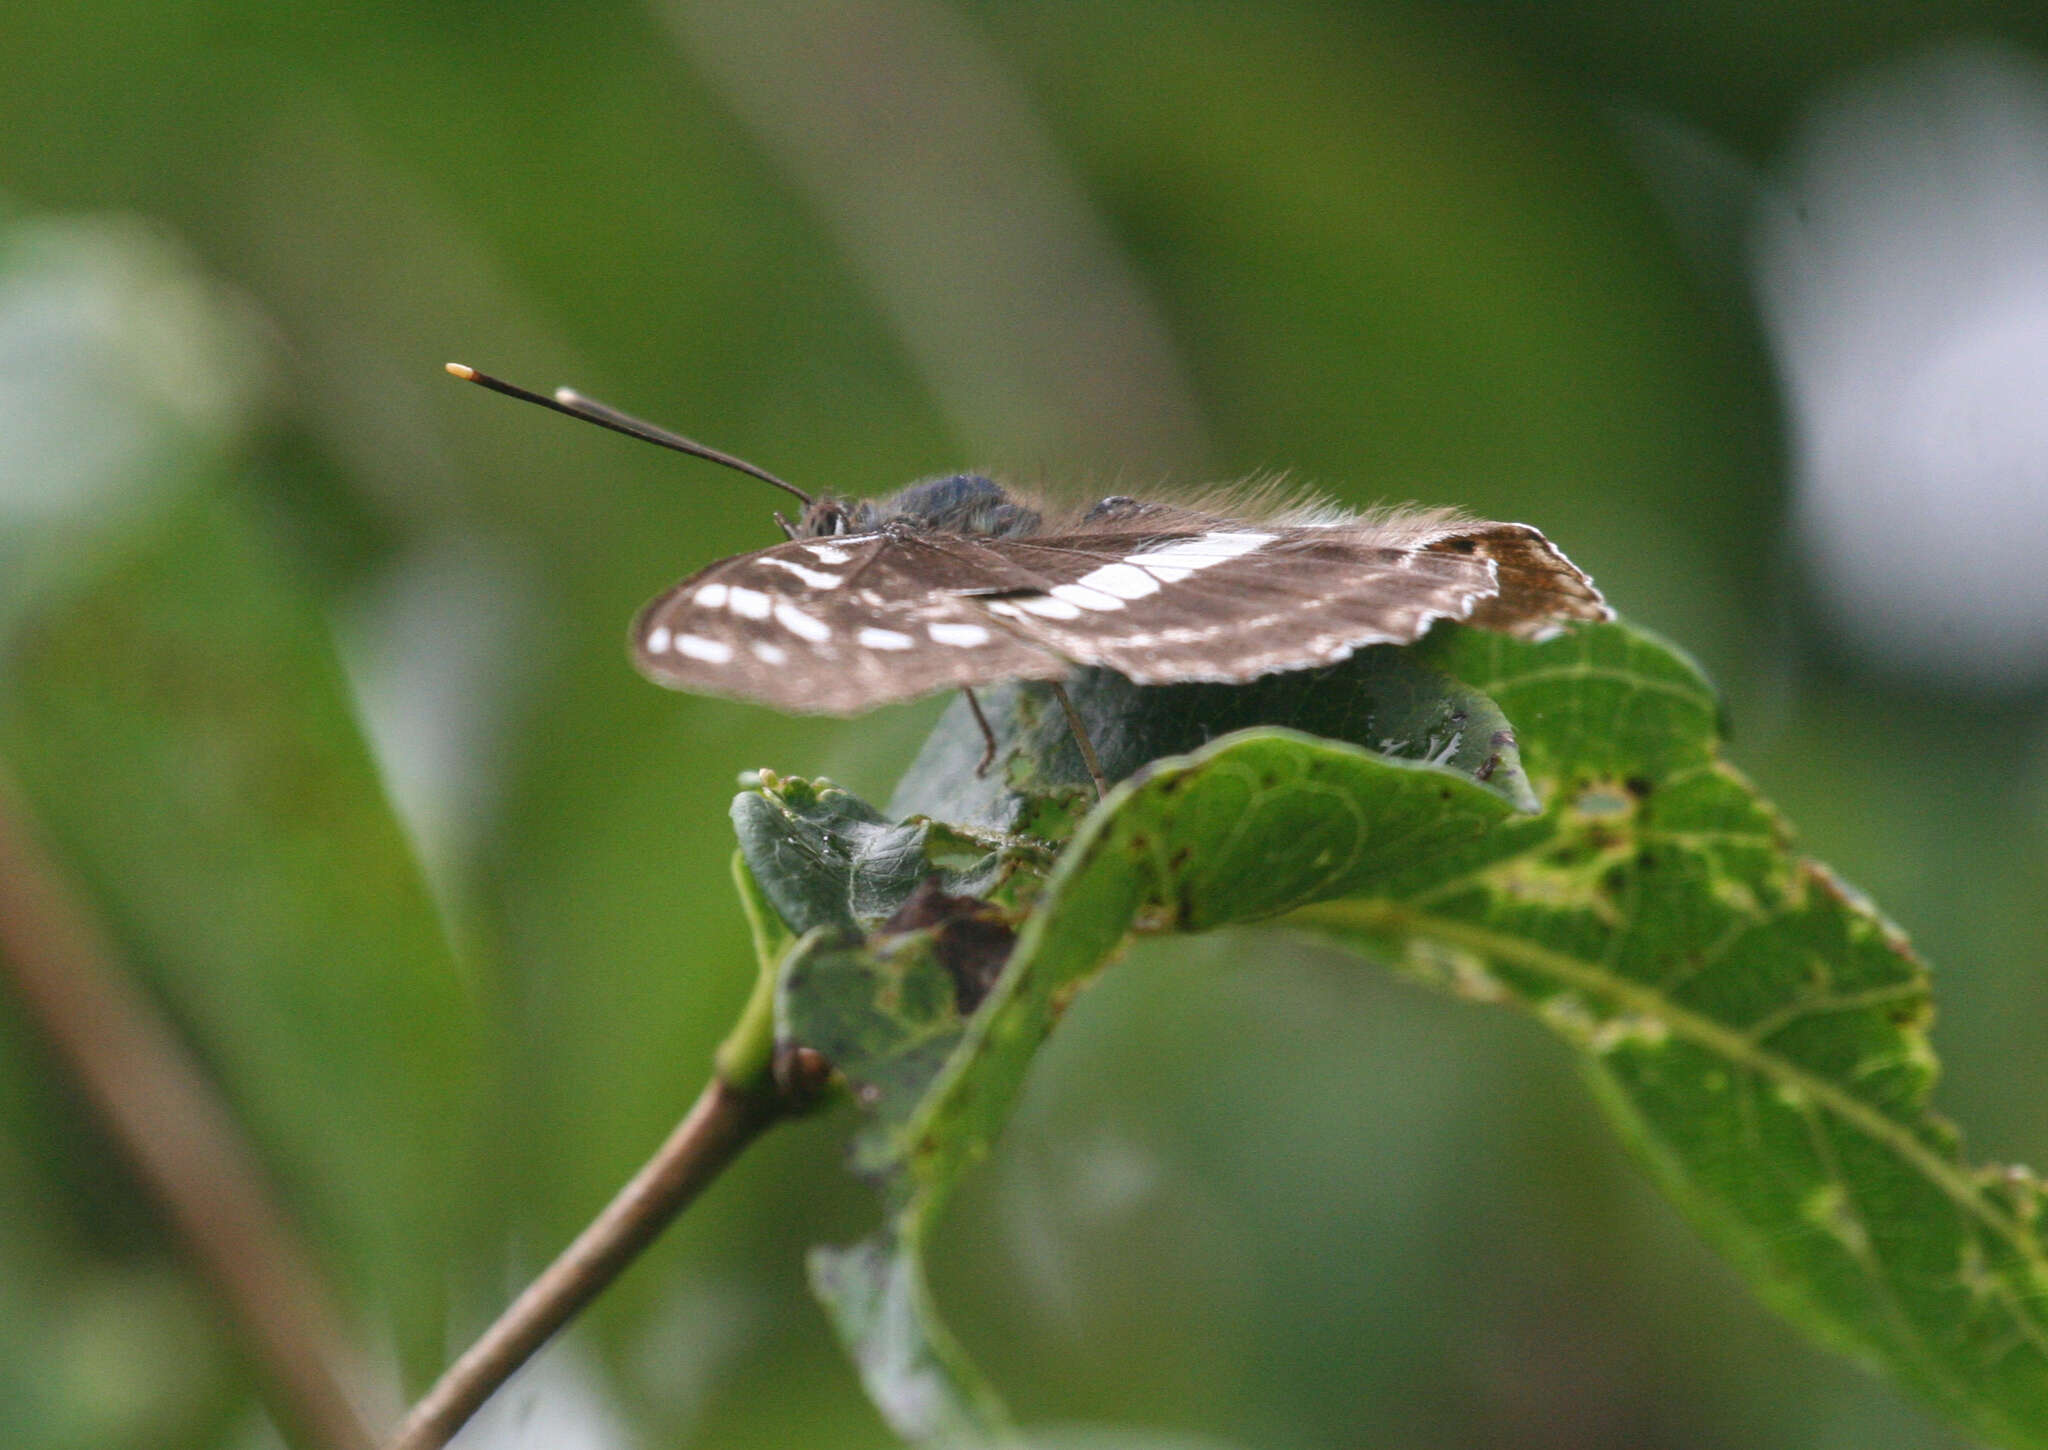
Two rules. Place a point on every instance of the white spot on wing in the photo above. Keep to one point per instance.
(751, 603)
(884, 639)
(711, 651)
(1200, 552)
(966, 636)
(798, 623)
(1044, 606)
(769, 654)
(711, 596)
(657, 640)
(816, 578)
(1085, 597)
(1122, 580)
(826, 554)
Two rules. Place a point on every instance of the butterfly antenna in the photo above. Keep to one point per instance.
(575, 405)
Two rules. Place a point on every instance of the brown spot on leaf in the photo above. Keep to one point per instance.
(970, 937)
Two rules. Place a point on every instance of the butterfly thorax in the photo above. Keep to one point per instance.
(962, 503)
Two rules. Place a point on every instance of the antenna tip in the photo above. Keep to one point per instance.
(463, 371)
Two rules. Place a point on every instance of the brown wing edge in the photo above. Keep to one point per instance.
(1541, 591)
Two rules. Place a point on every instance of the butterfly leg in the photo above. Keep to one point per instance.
(988, 736)
(1081, 739)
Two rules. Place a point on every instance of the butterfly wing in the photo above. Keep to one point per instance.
(840, 625)
(1233, 602)
(836, 626)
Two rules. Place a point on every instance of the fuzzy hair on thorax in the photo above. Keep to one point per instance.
(976, 506)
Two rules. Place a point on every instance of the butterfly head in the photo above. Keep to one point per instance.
(962, 503)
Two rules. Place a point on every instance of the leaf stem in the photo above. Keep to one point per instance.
(736, 1105)
(746, 1057)
(722, 1122)
(178, 1136)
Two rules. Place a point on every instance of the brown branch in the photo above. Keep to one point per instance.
(722, 1122)
(180, 1139)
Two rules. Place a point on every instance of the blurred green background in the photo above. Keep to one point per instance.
(1604, 267)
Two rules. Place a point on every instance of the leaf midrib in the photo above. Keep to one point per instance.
(1686, 1024)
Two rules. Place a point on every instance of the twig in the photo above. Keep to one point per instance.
(721, 1123)
(180, 1139)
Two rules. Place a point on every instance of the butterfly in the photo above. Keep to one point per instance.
(957, 582)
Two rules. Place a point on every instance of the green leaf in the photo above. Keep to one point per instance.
(1754, 1029)
(889, 1008)
(824, 857)
(1758, 1034)
(915, 1371)
(1246, 829)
